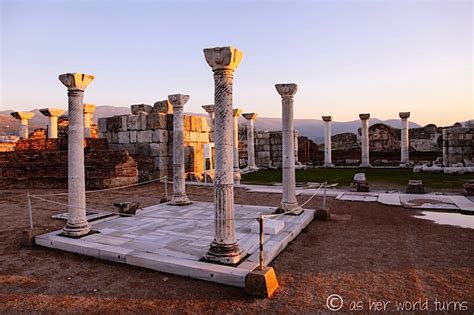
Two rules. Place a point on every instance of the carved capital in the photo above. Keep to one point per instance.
(223, 58)
(89, 108)
(52, 112)
(237, 112)
(364, 116)
(404, 115)
(76, 81)
(327, 118)
(286, 89)
(250, 116)
(178, 100)
(209, 108)
(22, 115)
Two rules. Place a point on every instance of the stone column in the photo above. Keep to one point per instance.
(237, 113)
(179, 186)
(77, 224)
(288, 202)
(224, 249)
(23, 117)
(250, 140)
(53, 114)
(405, 142)
(365, 162)
(445, 147)
(210, 111)
(89, 110)
(327, 142)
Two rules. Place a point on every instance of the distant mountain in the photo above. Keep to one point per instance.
(311, 128)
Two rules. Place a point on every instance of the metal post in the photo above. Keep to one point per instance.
(324, 197)
(30, 213)
(166, 187)
(260, 221)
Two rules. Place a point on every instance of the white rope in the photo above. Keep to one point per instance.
(105, 189)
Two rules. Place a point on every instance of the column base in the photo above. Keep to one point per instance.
(293, 207)
(76, 229)
(328, 165)
(404, 164)
(365, 166)
(253, 168)
(224, 254)
(180, 201)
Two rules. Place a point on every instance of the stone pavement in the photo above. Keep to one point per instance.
(174, 239)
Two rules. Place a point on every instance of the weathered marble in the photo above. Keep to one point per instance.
(250, 140)
(89, 110)
(365, 162)
(53, 115)
(405, 141)
(77, 224)
(224, 248)
(179, 186)
(237, 176)
(210, 110)
(288, 202)
(327, 142)
(23, 117)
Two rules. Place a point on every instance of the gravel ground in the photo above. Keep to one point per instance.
(368, 253)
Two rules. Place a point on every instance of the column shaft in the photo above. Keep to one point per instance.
(289, 201)
(23, 133)
(236, 149)
(251, 144)
(327, 144)
(179, 185)
(365, 162)
(53, 127)
(404, 144)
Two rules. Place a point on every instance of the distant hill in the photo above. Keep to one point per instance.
(311, 128)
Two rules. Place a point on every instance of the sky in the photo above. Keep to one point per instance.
(347, 57)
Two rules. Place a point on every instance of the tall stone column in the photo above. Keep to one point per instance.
(288, 202)
(179, 186)
(405, 141)
(77, 224)
(250, 140)
(365, 162)
(224, 249)
(237, 113)
(327, 142)
(23, 117)
(89, 110)
(53, 115)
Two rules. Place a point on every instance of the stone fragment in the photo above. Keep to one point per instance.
(141, 108)
(261, 283)
(415, 187)
(128, 208)
(144, 136)
(123, 137)
(156, 121)
(164, 107)
(160, 135)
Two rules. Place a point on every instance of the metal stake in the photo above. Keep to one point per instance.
(260, 221)
(324, 197)
(166, 187)
(30, 213)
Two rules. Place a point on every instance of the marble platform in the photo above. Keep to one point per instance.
(174, 239)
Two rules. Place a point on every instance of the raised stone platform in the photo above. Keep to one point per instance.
(160, 238)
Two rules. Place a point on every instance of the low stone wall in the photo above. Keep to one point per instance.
(460, 145)
(148, 136)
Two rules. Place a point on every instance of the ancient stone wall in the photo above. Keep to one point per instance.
(461, 145)
(147, 134)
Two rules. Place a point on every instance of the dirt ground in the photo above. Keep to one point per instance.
(368, 253)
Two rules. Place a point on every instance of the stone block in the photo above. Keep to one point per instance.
(102, 124)
(162, 162)
(323, 214)
(160, 135)
(187, 123)
(27, 237)
(133, 136)
(164, 107)
(117, 123)
(204, 137)
(266, 147)
(132, 122)
(270, 226)
(141, 108)
(415, 187)
(130, 148)
(123, 137)
(169, 121)
(205, 125)
(263, 154)
(144, 136)
(142, 121)
(261, 283)
(158, 149)
(156, 121)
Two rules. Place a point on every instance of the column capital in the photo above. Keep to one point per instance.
(404, 115)
(364, 116)
(178, 100)
(89, 108)
(237, 112)
(223, 58)
(52, 112)
(327, 118)
(76, 81)
(22, 115)
(250, 116)
(286, 89)
(209, 108)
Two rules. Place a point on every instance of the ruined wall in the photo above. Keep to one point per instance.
(460, 145)
(426, 139)
(147, 134)
(39, 162)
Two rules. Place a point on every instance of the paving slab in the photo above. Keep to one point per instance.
(170, 239)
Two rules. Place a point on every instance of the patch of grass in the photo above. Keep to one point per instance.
(388, 178)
